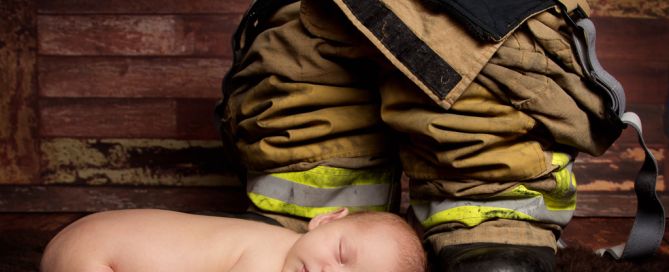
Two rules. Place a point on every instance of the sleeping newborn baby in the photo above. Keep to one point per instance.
(159, 240)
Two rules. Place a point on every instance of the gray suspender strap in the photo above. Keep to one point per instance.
(585, 50)
(648, 229)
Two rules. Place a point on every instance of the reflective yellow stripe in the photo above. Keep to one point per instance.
(474, 215)
(560, 159)
(566, 201)
(517, 203)
(322, 189)
(519, 191)
(275, 205)
(330, 177)
(563, 197)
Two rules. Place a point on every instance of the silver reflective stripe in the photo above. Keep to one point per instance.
(307, 196)
(534, 207)
(518, 203)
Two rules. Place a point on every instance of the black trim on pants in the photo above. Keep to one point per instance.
(418, 57)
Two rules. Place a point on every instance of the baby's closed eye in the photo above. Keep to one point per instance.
(340, 256)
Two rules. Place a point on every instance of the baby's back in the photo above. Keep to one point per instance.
(158, 240)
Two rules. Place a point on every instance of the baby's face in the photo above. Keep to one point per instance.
(343, 245)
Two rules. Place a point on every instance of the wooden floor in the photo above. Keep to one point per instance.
(24, 235)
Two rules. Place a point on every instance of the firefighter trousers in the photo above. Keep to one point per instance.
(333, 107)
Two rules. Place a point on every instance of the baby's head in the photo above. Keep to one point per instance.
(367, 241)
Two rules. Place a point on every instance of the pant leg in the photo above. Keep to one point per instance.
(304, 111)
(496, 166)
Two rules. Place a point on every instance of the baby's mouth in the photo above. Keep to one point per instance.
(304, 269)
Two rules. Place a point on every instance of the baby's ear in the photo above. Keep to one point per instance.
(327, 218)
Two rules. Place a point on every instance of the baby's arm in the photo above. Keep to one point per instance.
(141, 240)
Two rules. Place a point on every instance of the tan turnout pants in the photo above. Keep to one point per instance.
(313, 90)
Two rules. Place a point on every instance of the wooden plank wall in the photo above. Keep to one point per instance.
(101, 94)
(126, 90)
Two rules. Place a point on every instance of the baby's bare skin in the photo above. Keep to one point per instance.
(157, 240)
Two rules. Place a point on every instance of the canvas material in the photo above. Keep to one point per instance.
(313, 90)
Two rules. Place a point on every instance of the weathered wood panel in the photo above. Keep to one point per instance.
(616, 169)
(645, 82)
(100, 198)
(174, 35)
(632, 39)
(18, 123)
(131, 77)
(630, 8)
(102, 118)
(142, 6)
(607, 204)
(128, 118)
(134, 161)
(195, 119)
